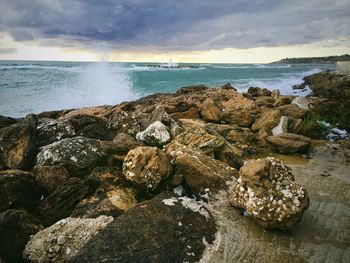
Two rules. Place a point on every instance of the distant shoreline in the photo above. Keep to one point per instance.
(313, 60)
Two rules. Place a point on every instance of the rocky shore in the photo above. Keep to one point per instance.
(166, 178)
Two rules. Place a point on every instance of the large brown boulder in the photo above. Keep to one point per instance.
(290, 143)
(146, 167)
(16, 227)
(268, 120)
(79, 155)
(166, 228)
(292, 110)
(199, 171)
(62, 201)
(18, 189)
(19, 143)
(266, 189)
(50, 177)
(209, 111)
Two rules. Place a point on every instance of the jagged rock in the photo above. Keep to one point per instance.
(200, 171)
(19, 143)
(146, 167)
(112, 201)
(50, 130)
(292, 110)
(172, 228)
(63, 240)
(219, 129)
(50, 177)
(62, 201)
(294, 125)
(266, 189)
(282, 126)
(16, 227)
(283, 100)
(190, 89)
(92, 111)
(265, 101)
(228, 86)
(275, 94)
(18, 189)
(268, 119)
(209, 111)
(78, 155)
(155, 135)
(242, 135)
(91, 126)
(118, 149)
(290, 143)
(6, 121)
(191, 113)
(192, 124)
(257, 92)
(198, 139)
(231, 155)
(239, 110)
(301, 102)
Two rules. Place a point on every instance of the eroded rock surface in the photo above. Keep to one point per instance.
(171, 228)
(155, 135)
(63, 240)
(290, 143)
(266, 189)
(146, 167)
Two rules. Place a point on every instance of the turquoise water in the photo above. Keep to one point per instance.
(32, 86)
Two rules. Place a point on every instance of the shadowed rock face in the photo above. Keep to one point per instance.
(18, 189)
(16, 227)
(290, 143)
(19, 143)
(160, 230)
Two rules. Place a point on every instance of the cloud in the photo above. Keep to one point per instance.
(175, 24)
(8, 51)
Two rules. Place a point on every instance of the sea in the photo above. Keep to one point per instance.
(36, 86)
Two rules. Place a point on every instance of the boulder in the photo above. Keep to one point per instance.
(209, 111)
(62, 201)
(190, 89)
(51, 130)
(266, 189)
(155, 135)
(265, 101)
(241, 135)
(268, 119)
(200, 171)
(282, 126)
(282, 100)
(146, 167)
(292, 110)
(63, 240)
(275, 94)
(219, 129)
(78, 155)
(301, 102)
(18, 189)
(198, 139)
(290, 143)
(231, 155)
(191, 113)
(112, 201)
(19, 143)
(16, 227)
(6, 121)
(228, 86)
(50, 177)
(257, 92)
(239, 110)
(166, 228)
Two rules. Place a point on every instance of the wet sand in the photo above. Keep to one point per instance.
(323, 234)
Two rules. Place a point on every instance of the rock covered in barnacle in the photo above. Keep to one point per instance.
(146, 167)
(266, 189)
(156, 134)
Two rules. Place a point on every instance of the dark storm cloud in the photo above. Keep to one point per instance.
(7, 51)
(175, 25)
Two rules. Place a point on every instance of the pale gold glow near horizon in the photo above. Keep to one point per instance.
(33, 51)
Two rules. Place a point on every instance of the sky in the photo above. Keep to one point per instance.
(221, 31)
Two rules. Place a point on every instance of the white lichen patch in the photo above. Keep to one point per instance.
(170, 201)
